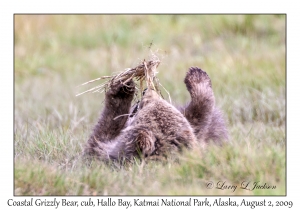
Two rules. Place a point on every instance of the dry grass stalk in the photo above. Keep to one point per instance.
(145, 71)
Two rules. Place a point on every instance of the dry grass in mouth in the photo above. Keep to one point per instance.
(145, 71)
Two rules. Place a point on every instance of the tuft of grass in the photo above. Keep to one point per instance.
(244, 55)
(145, 71)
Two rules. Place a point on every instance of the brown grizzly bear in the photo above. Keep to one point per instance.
(156, 128)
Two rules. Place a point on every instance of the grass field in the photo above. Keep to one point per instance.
(243, 54)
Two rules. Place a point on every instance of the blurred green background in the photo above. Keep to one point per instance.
(244, 55)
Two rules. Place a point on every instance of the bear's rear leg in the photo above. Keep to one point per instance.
(199, 111)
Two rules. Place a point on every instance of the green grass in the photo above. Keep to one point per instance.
(243, 54)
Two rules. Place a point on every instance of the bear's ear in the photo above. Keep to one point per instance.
(145, 101)
(149, 96)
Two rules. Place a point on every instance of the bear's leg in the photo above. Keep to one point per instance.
(117, 102)
(199, 111)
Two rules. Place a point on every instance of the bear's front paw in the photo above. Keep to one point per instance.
(121, 90)
(195, 76)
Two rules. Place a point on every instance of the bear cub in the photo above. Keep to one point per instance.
(156, 128)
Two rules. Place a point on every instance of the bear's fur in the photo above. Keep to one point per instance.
(157, 128)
